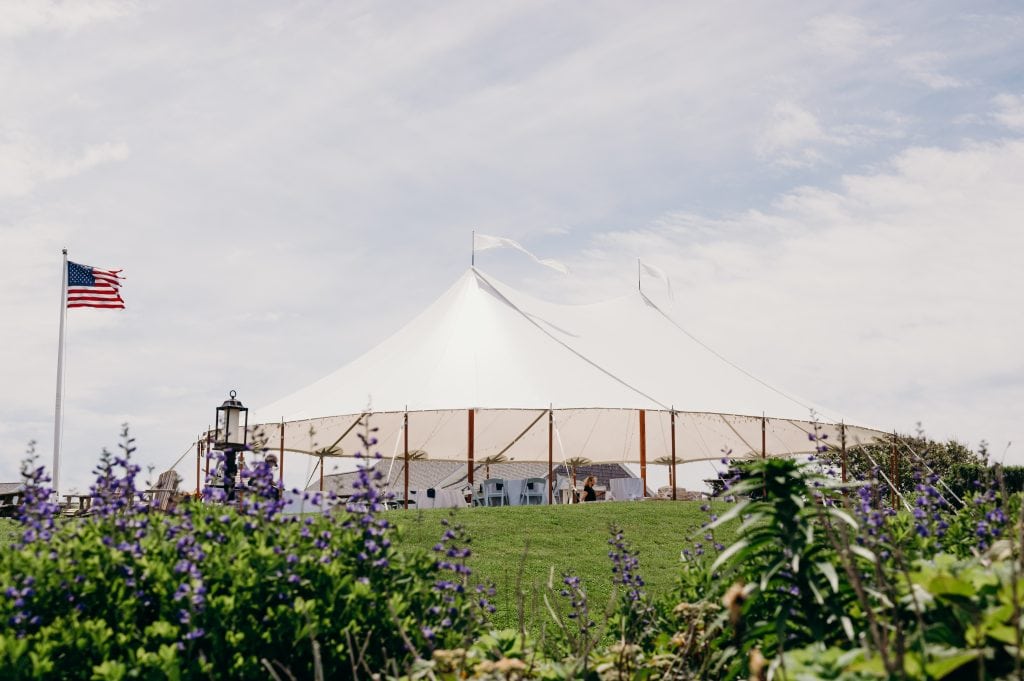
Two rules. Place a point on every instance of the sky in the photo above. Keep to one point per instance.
(833, 188)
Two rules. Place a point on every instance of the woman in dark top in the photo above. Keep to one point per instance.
(588, 489)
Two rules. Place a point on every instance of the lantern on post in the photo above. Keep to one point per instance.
(230, 437)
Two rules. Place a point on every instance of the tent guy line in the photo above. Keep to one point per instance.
(586, 359)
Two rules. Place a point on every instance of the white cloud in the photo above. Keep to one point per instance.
(895, 298)
(846, 36)
(1010, 111)
(790, 136)
(25, 164)
(926, 68)
(24, 16)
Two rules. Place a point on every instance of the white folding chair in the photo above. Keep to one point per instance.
(533, 492)
(495, 493)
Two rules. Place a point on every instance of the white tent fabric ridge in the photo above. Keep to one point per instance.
(565, 345)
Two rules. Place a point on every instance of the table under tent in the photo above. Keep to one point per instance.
(487, 372)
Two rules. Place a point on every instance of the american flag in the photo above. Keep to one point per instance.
(93, 287)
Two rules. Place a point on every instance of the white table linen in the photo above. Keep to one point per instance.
(626, 489)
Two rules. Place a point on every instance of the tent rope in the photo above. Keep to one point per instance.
(565, 345)
(887, 480)
(720, 356)
(931, 471)
(175, 465)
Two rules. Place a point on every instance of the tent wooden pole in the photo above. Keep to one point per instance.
(469, 455)
(280, 457)
(206, 451)
(643, 448)
(673, 469)
(405, 472)
(551, 453)
(764, 437)
(842, 445)
(896, 477)
(321, 472)
(764, 453)
(892, 470)
(199, 454)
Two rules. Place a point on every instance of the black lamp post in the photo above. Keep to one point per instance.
(231, 435)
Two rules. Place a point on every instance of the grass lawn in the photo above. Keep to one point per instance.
(9, 532)
(517, 547)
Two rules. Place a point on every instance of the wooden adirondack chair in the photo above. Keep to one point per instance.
(163, 495)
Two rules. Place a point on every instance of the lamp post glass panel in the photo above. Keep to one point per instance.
(232, 433)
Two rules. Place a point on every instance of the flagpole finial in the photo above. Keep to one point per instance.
(64, 251)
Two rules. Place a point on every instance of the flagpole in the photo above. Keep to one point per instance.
(60, 377)
(472, 251)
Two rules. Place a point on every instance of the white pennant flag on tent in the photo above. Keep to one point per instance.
(484, 242)
(657, 273)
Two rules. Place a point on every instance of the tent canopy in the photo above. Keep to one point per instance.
(510, 358)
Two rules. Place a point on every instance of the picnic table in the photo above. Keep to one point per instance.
(76, 504)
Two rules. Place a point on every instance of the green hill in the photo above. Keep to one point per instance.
(517, 547)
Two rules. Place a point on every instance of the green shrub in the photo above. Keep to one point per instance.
(222, 591)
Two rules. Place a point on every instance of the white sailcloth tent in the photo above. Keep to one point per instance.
(487, 370)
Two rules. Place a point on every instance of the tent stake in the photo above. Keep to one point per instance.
(469, 473)
(551, 452)
(643, 448)
(673, 476)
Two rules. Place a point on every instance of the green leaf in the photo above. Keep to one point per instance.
(735, 548)
(948, 585)
(940, 668)
(731, 514)
(863, 553)
(842, 515)
(829, 571)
